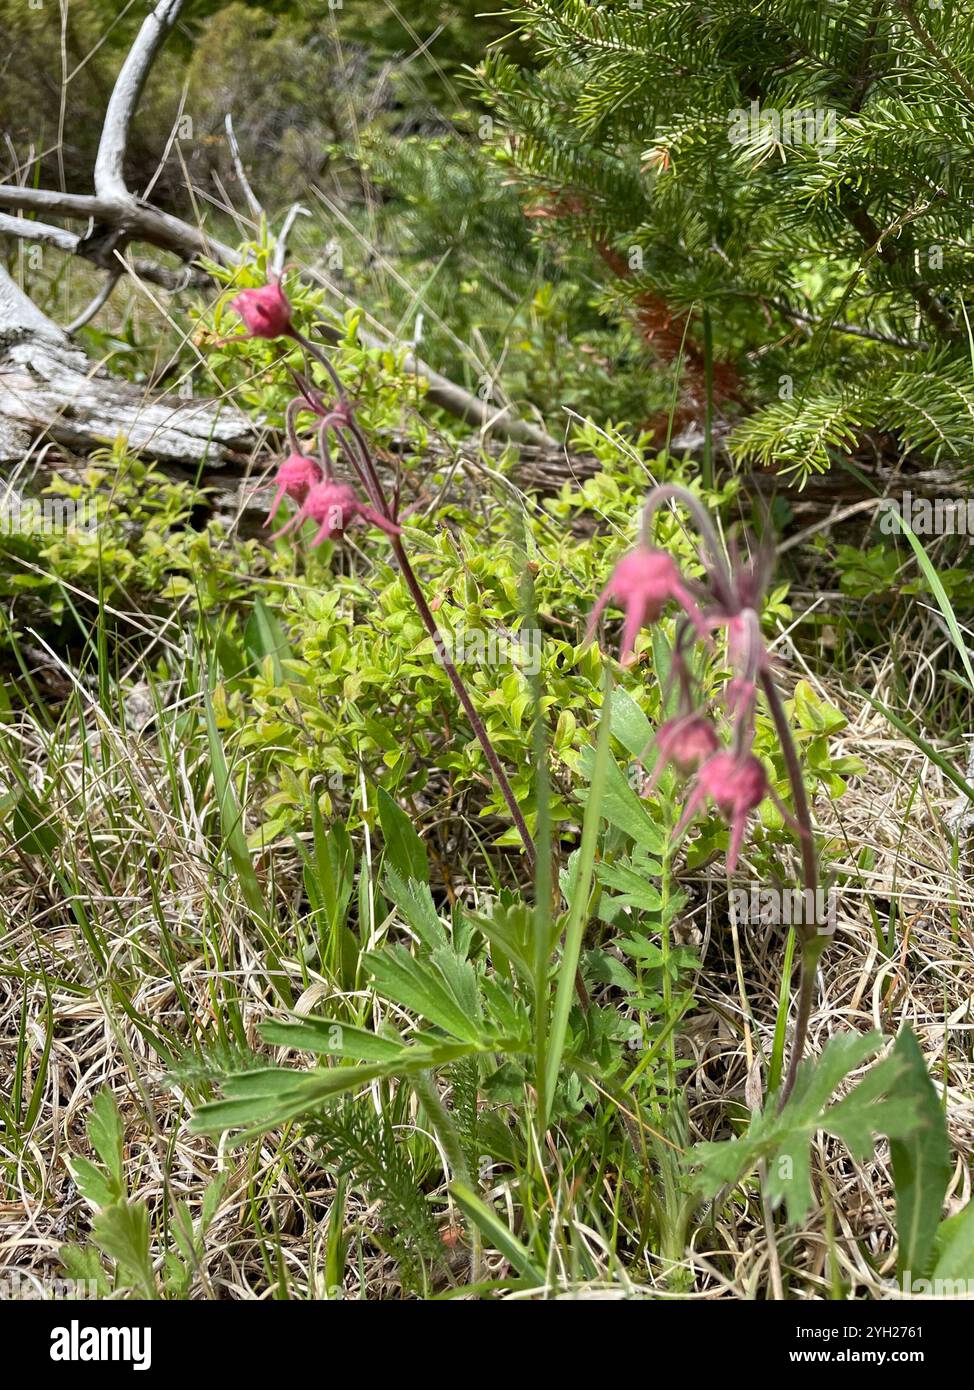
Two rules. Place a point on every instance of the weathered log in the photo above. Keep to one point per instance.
(52, 390)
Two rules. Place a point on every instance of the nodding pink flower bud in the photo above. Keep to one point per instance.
(266, 311)
(334, 506)
(686, 742)
(737, 785)
(643, 582)
(295, 478)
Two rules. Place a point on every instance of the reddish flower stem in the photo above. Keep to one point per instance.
(364, 466)
(813, 942)
(362, 463)
(423, 608)
(735, 605)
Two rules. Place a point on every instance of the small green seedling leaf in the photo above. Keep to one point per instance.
(106, 1133)
(122, 1233)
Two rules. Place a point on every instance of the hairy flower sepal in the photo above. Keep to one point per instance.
(295, 478)
(266, 311)
(737, 785)
(685, 743)
(731, 596)
(643, 582)
(334, 506)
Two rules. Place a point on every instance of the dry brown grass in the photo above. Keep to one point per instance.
(278, 1195)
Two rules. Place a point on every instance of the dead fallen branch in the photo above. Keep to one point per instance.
(116, 218)
(50, 389)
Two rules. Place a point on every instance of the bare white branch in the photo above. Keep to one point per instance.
(100, 299)
(123, 103)
(26, 229)
(80, 206)
(242, 179)
(280, 250)
(117, 217)
(138, 221)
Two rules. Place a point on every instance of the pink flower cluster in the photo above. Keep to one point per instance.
(643, 582)
(331, 504)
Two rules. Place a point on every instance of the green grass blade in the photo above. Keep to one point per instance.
(496, 1234)
(578, 913)
(940, 594)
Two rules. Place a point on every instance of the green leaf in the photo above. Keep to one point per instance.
(265, 637)
(884, 1102)
(921, 1164)
(602, 765)
(231, 816)
(629, 725)
(635, 889)
(496, 1233)
(282, 1095)
(338, 1241)
(261, 1100)
(83, 1264)
(30, 826)
(330, 1039)
(439, 994)
(405, 851)
(122, 1233)
(212, 1199)
(954, 1246)
(330, 873)
(106, 1134)
(509, 931)
(415, 902)
(603, 968)
(621, 807)
(95, 1185)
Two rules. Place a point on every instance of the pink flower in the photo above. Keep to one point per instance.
(739, 641)
(740, 696)
(737, 784)
(748, 659)
(334, 506)
(643, 582)
(686, 742)
(295, 478)
(266, 311)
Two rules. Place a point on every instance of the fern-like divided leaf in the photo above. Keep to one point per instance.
(361, 1148)
(892, 1099)
(460, 1017)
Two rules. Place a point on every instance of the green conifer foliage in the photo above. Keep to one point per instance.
(801, 170)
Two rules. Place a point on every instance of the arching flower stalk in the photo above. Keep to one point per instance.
(729, 598)
(334, 503)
